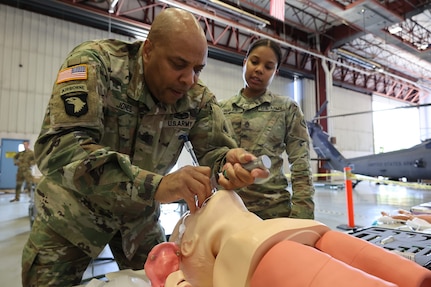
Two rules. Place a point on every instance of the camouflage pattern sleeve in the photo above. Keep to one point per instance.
(298, 150)
(16, 158)
(32, 159)
(70, 151)
(211, 137)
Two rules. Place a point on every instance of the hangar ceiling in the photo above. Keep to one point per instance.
(372, 46)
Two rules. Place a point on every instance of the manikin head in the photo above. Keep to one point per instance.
(206, 231)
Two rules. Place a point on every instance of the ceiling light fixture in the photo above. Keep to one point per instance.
(112, 6)
(260, 22)
(395, 29)
(423, 46)
(361, 61)
(142, 35)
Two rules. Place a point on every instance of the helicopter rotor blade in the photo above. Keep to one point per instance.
(320, 111)
(367, 112)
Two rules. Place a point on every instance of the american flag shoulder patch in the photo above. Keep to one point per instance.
(78, 72)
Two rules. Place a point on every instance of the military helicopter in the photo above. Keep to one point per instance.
(412, 164)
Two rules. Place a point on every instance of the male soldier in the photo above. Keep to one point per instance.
(24, 160)
(111, 134)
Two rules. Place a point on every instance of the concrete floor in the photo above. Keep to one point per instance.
(331, 209)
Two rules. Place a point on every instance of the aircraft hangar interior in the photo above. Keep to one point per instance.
(360, 70)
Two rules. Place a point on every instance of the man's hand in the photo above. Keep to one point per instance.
(188, 183)
(234, 175)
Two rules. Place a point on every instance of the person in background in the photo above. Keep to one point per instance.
(113, 129)
(268, 124)
(25, 161)
(402, 214)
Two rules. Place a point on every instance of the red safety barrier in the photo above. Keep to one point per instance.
(349, 198)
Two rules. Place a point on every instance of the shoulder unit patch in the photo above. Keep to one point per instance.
(75, 105)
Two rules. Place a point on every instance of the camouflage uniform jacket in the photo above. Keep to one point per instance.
(272, 124)
(24, 160)
(105, 145)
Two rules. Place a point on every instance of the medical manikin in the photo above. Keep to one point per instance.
(224, 245)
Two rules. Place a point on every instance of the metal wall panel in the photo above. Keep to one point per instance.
(354, 134)
(309, 98)
(32, 49)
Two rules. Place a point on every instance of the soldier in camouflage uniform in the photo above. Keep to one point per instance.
(110, 136)
(25, 161)
(269, 124)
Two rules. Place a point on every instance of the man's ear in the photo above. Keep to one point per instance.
(148, 47)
